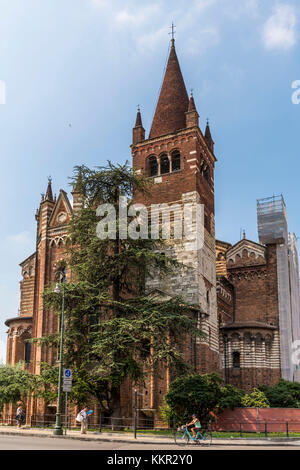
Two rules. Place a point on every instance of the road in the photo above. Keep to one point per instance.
(45, 443)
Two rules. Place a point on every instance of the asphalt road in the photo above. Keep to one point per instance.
(44, 443)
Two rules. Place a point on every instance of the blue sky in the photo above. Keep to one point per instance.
(89, 63)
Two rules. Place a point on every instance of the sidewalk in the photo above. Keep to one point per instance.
(141, 439)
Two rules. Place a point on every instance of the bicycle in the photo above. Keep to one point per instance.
(184, 437)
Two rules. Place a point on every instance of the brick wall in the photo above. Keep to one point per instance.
(253, 420)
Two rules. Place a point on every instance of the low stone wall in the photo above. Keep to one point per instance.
(259, 420)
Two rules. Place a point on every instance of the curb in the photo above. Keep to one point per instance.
(98, 439)
(232, 442)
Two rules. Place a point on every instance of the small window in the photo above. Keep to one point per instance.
(153, 166)
(206, 222)
(27, 352)
(236, 359)
(164, 164)
(205, 171)
(175, 160)
(206, 174)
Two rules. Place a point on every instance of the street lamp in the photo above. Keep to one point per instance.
(58, 431)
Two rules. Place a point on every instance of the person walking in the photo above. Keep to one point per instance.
(20, 416)
(84, 421)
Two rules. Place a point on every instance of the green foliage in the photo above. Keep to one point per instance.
(195, 394)
(284, 394)
(257, 399)
(113, 330)
(168, 416)
(204, 395)
(46, 383)
(15, 383)
(231, 397)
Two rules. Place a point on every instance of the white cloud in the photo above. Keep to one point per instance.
(153, 39)
(235, 9)
(280, 29)
(21, 238)
(137, 17)
(207, 37)
(203, 4)
(99, 3)
(2, 352)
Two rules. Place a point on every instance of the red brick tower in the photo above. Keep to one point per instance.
(38, 271)
(180, 161)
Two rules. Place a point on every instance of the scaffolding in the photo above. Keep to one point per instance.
(272, 220)
(295, 295)
(272, 229)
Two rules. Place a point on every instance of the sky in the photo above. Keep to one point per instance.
(73, 72)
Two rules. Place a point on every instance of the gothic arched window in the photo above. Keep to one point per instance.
(164, 164)
(236, 359)
(152, 166)
(175, 160)
(206, 174)
(27, 352)
(205, 170)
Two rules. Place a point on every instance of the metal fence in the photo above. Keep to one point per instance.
(100, 423)
(266, 428)
(108, 424)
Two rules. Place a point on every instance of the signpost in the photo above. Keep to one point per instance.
(67, 387)
(136, 393)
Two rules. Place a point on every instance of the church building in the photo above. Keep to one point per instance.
(245, 296)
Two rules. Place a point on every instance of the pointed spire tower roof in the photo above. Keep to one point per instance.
(138, 121)
(173, 100)
(192, 106)
(208, 137)
(49, 194)
(138, 134)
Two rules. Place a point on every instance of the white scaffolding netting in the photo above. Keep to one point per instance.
(295, 295)
(272, 229)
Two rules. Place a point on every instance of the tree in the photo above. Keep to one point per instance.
(15, 383)
(284, 394)
(203, 395)
(256, 399)
(113, 330)
(231, 397)
(46, 383)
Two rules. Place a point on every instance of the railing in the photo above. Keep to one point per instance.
(270, 205)
(102, 423)
(261, 427)
(226, 428)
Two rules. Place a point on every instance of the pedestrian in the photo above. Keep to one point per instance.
(20, 416)
(84, 422)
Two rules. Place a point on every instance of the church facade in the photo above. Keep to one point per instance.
(245, 297)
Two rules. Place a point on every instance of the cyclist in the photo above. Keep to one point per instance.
(196, 425)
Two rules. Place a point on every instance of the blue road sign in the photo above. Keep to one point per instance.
(68, 373)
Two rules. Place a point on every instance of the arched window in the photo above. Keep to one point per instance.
(164, 164)
(205, 170)
(236, 359)
(153, 166)
(175, 160)
(206, 174)
(27, 352)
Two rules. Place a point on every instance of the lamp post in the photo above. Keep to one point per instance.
(58, 430)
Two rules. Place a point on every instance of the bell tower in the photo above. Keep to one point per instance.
(179, 159)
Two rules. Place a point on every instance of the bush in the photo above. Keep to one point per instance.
(284, 394)
(203, 395)
(231, 397)
(257, 399)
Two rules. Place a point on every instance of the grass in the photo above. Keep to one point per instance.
(252, 435)
(169, 433)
